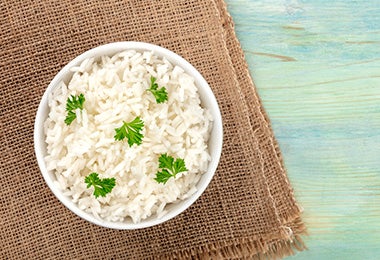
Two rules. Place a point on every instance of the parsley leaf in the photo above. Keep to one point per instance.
(101, 186)
(71, 105)
(160, 94)
(131, 131)
(179, 165)
(163, 176)
(165, 161)
(170, 168)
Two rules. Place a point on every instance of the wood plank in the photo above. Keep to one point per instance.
(316, 65)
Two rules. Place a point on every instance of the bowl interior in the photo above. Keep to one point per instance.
(207, 99)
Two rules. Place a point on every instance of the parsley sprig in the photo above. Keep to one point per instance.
(71, 105)
(170, 168)
(159, 94)
(131, 131)
(101, 186)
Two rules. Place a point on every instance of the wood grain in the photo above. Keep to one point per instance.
(316, 65)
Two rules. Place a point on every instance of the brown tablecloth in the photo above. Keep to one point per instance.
(249, 208)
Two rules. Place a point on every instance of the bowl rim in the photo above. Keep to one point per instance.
(111, 49)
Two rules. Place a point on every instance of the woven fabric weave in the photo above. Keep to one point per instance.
(249, 209)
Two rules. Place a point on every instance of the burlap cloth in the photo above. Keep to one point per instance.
(249, 208)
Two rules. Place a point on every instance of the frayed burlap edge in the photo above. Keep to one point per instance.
(270, 246)
(230, 35)
(291, 225)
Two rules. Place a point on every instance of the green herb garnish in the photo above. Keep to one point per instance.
(170, 168)
(101, 186)
(71, 105)
(160, 94)
(131, 131)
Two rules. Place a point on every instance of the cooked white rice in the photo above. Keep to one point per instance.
(115, 91)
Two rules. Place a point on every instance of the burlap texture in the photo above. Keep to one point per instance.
(249, 208)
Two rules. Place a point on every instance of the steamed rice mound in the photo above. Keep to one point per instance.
(115, 91)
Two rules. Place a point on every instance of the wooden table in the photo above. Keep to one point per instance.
(316, 65)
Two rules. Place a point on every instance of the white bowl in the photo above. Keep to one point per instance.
(208, 101)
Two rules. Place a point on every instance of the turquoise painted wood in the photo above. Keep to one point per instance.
(316, 65)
